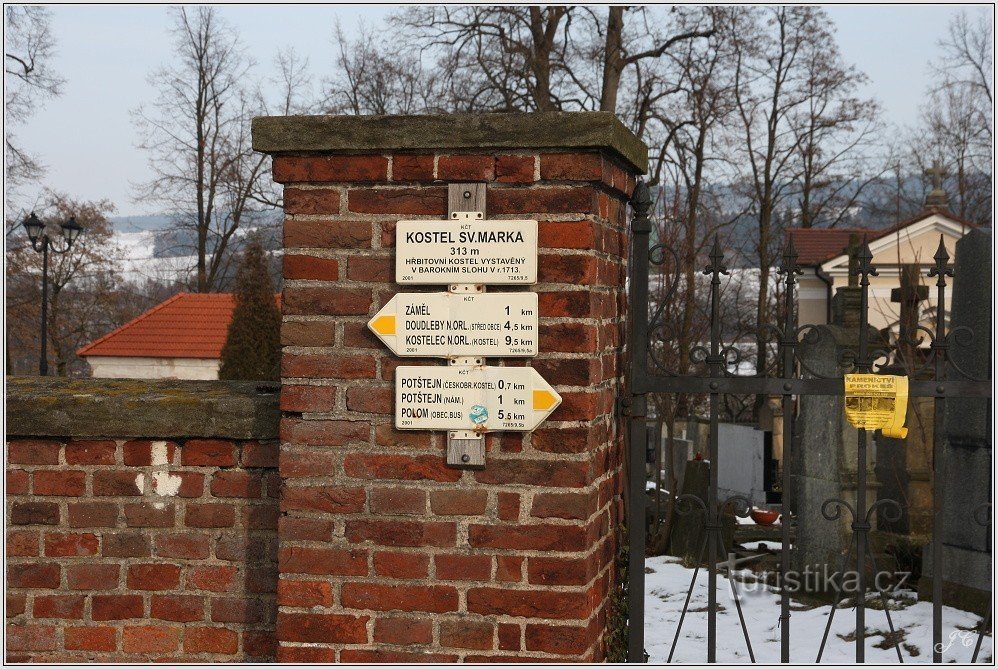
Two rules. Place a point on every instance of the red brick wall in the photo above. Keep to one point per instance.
(136, 551)
(385, 553)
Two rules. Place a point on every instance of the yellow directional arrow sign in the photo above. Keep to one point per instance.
(443, 325)
(484, 399)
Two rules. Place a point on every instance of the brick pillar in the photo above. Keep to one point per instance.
(386, 554)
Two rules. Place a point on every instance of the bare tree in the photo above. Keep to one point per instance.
(968, 62)
(370, 81)
(545, 58)
(85, 301)
(836, 134)
(649, 40)
(957, 124)
(950, 132)
(196, 133)
(799, 121)
(28, 83)
(293, 83)
(494, 58)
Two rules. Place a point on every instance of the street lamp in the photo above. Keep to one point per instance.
(42, 242)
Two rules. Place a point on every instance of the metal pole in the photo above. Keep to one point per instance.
(859, 528)
(636, 537)
(940, 271)
(785, 521)
(715, 363)
(43, 363)
(860, 525)
(789, 343)
(636, 409)
(713, 531)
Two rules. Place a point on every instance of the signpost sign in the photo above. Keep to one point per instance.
(466, 251)
(479, 399)
(466, 325)
(446, 325)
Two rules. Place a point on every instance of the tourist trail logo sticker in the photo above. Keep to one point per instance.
(478, 414)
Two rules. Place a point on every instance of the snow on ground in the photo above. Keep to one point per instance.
(666, 585)
(764, 545)
(139, 263)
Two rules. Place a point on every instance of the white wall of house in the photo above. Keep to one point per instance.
(915, 244)
(812, 299)
(107, 367)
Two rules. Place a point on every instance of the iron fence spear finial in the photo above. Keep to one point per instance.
(641, 202)
(790, 256)
(864, 268)
(942, 269)
(716, 266)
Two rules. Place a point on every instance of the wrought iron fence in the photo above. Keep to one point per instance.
(939, 377)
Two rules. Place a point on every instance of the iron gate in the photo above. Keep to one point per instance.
(713, 378)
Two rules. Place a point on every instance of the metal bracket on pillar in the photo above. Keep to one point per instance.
(466, 448)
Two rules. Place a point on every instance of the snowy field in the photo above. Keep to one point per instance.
(140, 265)
(665, 590)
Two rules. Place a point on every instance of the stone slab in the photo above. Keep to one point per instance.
(164, 409)
(516, 130)
(967, 453)
(967, 578)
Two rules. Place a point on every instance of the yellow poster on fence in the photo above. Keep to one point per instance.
(877, 402)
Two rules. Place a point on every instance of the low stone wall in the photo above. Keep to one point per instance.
(141, 521)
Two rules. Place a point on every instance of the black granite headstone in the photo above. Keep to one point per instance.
(967, 453)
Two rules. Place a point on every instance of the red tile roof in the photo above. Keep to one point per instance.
(818, 245)
(188, 325)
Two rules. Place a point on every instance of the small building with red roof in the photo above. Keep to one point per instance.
(823, 256)
(180, 338)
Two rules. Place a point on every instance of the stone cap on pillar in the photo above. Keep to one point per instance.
(513, 130)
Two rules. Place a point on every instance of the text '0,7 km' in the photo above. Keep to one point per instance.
(466, 252)
(483, 399)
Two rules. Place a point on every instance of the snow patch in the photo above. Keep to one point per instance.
(666, 584)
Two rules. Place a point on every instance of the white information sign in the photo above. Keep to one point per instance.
(483, 399)
(466, 251)
(444, 325)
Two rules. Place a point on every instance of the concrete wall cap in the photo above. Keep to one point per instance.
(434, 132)
(152, 408)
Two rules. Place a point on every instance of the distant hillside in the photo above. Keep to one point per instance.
(150, 222)
(140, 223)
(156, 250)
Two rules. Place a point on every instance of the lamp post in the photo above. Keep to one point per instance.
(42, 242)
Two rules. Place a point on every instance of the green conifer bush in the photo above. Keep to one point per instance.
(252, 349)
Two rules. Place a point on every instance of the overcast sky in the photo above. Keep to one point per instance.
(105, 54)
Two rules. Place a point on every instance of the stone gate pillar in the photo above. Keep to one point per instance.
(387, 554)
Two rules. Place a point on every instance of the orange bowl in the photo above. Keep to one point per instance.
(764, 516)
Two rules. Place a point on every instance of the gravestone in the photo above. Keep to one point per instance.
(689, 528)
(904, 465)
(823, 458)
(967, 558)
(740, 471)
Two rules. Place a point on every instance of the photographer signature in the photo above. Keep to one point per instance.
(966, 640)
